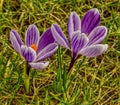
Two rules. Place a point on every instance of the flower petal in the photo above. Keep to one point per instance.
(59, 36)
(15, 40)
(94, 50)
(90, 20)
(32, 35)
(78, 42)
(39, 65)
(74, 23)
(47, 51)
(97, 35)
(28, 53)
(45, 39)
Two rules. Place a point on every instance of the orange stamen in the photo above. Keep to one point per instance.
(87, 34)
(34, 47)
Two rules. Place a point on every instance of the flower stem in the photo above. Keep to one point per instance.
(27, 78)
(27, 68)
(71, 64)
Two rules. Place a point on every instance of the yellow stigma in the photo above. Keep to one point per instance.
(34, 47)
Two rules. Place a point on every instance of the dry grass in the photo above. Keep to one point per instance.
(98, 80)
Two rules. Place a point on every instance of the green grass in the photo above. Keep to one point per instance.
(97, 81)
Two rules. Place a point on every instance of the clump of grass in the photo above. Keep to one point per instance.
(96, 83)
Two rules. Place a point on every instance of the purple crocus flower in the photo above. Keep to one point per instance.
(85, 35)
(36, 48)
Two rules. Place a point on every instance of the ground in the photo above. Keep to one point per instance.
(97, 82)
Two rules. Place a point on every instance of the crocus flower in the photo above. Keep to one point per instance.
(36, 48)
(85, 35)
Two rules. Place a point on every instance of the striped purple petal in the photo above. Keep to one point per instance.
(59, 36)
(45, 39)
(47, 51)
(78, 41)
(16, 41)
(39, 65)
(74, 23)
(90, 20)
(94, 50)
(97, 35)
(32, 35)
(28, 53)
